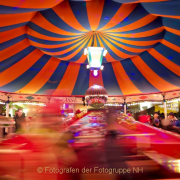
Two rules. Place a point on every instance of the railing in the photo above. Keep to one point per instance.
(168, 162)
(159, 129)
(125, 135)
(140, 126)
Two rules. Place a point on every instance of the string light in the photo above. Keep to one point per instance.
(113, 105)
(128, 104)
(173, 100)
(133, 103)
(29, 103)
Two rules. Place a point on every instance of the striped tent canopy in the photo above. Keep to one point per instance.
(42, 44)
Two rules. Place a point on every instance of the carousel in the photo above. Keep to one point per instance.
(96, 96)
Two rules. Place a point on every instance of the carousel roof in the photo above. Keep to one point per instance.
(42, 44)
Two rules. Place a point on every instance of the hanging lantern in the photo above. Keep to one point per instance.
(95, 57)
(96, 96)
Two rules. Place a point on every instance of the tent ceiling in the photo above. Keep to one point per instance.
(42, 44)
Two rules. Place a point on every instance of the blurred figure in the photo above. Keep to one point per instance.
(143, 118)
(161, 117)
(167, 125)
(177, 124)
(19, 119)
(155, 116)
(14, 117)
(173, 119)
(113, 151)
(129, 113)
(111, 118)
(65, 153)
(26, 126)
(115, 154)
(37, 145)
(148, 118)
(156, 123)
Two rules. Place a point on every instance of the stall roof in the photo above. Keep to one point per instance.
(27, 98)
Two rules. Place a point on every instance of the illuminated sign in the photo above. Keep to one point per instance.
(65, 100)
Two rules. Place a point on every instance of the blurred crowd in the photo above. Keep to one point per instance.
(171, 123)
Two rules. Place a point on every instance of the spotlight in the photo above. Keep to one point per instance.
(102, 67)
(95, 72)
(105, 52)
(85, 51)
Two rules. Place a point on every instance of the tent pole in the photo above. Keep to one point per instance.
(124, 105)
(7, 109)
(165, 107)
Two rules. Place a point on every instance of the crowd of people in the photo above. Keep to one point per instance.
(172, 123)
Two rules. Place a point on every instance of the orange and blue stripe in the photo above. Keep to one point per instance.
(42, 46)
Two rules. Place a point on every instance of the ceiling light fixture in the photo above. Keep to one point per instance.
(95, 56)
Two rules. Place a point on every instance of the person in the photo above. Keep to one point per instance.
(111, 118)
(129, 113)
(148, 118)
(16, 112)
(156, 123)
(172, 118)
(155, 116)
(143, 118)
(114, 152)
(161, 117)
(65, 152)
(177, 124)
(26, 125)
(40, 139)
(19, 119)
(167, 125)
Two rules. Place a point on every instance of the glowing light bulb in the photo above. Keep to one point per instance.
(102, 67)
(105, 52)
(85, 51)
(87, 66)
(95, 72)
